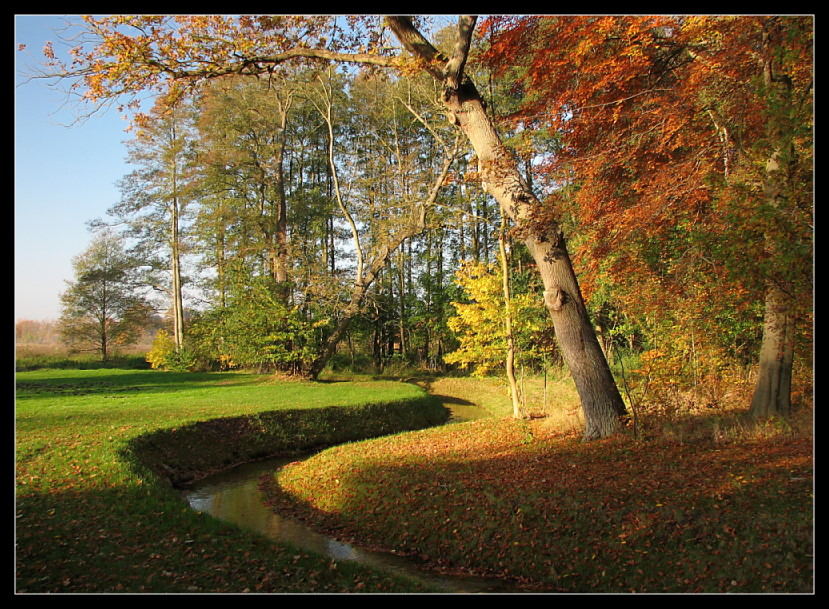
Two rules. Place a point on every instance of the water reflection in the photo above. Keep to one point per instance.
(234, 497)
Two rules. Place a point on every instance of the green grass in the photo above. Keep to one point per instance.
(701, 511)
(91, 517)
(719, 505)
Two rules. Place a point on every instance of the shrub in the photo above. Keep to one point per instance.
(162, 349)
(163, 355)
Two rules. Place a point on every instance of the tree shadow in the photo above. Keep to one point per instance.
(536, 517)
(450, 399)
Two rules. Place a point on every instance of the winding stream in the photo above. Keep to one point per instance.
(234, 496)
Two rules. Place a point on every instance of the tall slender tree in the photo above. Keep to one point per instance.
(154, 200)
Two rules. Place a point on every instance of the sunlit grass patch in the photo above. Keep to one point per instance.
(506, 497)
(91, 518)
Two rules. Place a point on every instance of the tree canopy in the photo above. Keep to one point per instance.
(657, 172)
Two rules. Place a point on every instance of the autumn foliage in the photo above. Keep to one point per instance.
(666, 128)
(674, 152)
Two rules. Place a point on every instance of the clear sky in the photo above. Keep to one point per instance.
(64, 175)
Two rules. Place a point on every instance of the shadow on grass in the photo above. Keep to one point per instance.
(140, 540)
(600, 517)
(447, 399)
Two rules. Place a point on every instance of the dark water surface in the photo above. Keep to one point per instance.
(234, 496)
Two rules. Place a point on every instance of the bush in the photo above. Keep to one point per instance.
(162, 349)
(163, 355)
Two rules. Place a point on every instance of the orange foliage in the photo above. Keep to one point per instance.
(664, 128)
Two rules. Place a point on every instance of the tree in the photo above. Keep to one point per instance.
(101, 309)
(255, 329)
(786, 89)
(154, 198)
(243, 124)
(369, 262)
(508, 320)
(601, 402)
(687, 145)
(170, 55)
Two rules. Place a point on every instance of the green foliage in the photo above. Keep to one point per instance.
(164, 356)
(256, 329)
(102, 308)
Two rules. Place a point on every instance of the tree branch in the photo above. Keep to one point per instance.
(454, 68)
(414, 42)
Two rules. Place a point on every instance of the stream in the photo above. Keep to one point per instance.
(234, 496)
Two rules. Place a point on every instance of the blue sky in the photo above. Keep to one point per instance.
(64, 175)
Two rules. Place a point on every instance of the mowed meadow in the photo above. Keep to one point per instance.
(716, 505)
(527, 300)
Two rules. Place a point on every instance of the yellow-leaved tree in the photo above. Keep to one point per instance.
(479, 322)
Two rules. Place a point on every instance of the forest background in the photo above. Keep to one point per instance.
(314, 215)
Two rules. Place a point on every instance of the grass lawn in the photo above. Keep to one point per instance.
(718, 505)
(725, 509)
(91, 519)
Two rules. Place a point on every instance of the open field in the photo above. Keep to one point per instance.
(724, 507)
(90, 517)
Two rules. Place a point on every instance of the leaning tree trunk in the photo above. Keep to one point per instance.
(601, 402)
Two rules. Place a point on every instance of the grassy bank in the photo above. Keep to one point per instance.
(94, 515)
(720, 505)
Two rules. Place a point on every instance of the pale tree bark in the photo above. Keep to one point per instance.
(175, 258)
(772, 393)
(510, 359)
(367, 270)
(600, 399)
(175, 250)
(280, 262)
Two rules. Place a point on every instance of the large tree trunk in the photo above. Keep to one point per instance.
(772, 394)
(601, 402)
